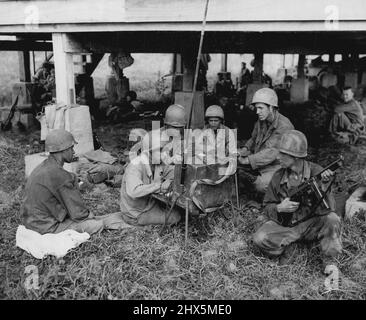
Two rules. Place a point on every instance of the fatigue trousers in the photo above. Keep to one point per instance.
(154, 216)
(340, 123)
(262, 181)
(113, 221)
(273, 238)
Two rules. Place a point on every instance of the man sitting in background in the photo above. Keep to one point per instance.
(347, 124)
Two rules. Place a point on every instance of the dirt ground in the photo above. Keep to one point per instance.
(140, 264)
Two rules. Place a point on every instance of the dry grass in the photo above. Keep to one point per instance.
(140, 264)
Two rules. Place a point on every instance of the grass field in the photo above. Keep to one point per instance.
(140, 264)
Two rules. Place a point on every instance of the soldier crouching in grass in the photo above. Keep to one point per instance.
(53, 201)
(145, 175)
(287, 221)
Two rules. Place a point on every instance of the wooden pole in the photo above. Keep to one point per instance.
(197, 65)
(24, 65)
(64, 69)
(186, 227)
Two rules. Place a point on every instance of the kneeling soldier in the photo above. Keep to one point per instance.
(289, 221)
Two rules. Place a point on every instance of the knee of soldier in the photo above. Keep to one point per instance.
(260, 185)
(259, 237)
(331, 226)
(332, 219)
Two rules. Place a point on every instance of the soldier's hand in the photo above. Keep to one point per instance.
(104, 168)
(326, 175)
(243, 160)
(287, 206)
(165, 186)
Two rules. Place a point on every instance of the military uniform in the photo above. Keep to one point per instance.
(263, 145)
(274, 235)
(139, 182)
(53, 202)
(348, 118)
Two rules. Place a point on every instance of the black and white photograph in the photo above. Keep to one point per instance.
(181, 155)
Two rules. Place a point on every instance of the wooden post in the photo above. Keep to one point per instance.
(186, 221)
(258, 68)
(188, 71)
(64, 69)
(24, 65)
(224, 62)
(331, 58)
(300, 66)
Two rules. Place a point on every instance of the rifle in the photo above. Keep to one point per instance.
(310, 195)
(6, 125)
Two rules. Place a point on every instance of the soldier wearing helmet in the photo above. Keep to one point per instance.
(261, 150)
(53, 202)
(285, 222)
(175, 116)
(216, 143)
(145, 175)
(174, 125)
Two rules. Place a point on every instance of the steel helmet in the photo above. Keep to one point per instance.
(153, 140)
(175, 116)
(214, 111)
(267, 96)
(59, 140)
(294, 143)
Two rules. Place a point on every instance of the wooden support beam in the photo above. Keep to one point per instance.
(331, 58)
(258, 68)
(90, 67)
(24, 45)
(224, 62)
(300, 66)
(189, 61)
(64, 69)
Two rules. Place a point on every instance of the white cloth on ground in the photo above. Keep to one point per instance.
(56, 244)
(355, 203)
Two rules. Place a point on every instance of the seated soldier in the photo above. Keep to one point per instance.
(287, 221)
(347, 123)
(128, 111)
(145, 175)
(53, 201)
(260, 151)
(216, 143)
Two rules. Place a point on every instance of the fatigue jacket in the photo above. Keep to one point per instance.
(211, 147)
(265, 140)
(139, 183)
(51, 195)
(278, 190)
(352, 110)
